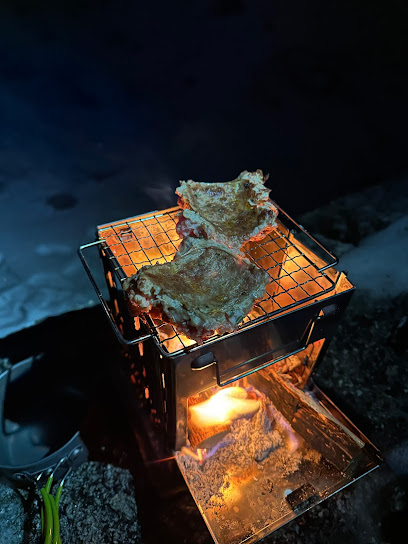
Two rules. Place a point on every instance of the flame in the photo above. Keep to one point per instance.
(299, 278)
(199, 455)
(174, 343)
(163, 460)
(223, 407)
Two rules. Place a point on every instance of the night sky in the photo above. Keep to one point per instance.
(314, 93)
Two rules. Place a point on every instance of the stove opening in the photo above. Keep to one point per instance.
(264, 449)
(216, 412)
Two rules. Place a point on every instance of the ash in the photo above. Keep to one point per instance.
(264, 439)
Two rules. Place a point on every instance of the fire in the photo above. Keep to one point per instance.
(171, 341)
(223, 408)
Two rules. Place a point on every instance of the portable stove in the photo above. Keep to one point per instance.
(250, 468)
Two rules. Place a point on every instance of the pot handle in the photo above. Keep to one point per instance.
(102, 300)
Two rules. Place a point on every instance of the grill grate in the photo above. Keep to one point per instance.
(151, 239)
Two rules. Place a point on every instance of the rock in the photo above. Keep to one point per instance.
(336, 247)
(11, 516)
(399, 336)
(353, 217)
(98, 506)
(19, 516)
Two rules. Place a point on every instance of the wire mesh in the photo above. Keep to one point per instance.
(148, 240)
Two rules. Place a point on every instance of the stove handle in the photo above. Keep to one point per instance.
(203, 361)
(263, 359)
(102, 300)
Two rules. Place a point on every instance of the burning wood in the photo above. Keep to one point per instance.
(231, 417)
(209, 421)
(315, 424)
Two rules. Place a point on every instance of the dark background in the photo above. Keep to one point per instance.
(129, 93)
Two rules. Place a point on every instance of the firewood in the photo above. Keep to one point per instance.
(314, 423)
(206, 437)
(210, 420)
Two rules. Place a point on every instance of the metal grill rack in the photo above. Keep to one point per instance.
(296, 278)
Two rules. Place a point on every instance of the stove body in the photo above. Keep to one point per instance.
(274, 351)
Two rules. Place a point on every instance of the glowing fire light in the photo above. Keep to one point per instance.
(224, 407)
(165, 459)
(199, 456)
